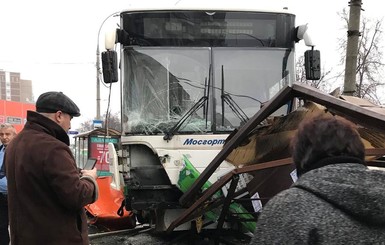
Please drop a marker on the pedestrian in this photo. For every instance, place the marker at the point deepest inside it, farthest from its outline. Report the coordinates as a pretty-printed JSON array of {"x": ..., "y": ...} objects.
[
  {"x": 7, "y": 133},
  {"x": 46, "y": 192},
  {"x": 337, "y": 199}
]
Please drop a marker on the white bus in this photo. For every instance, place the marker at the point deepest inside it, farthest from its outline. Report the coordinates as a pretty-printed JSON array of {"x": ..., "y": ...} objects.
[{"x": 189, "y": 77}]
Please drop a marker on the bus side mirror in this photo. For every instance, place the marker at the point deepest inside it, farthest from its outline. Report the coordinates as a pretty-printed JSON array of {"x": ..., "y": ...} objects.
[
  {"x": 110, "y": 67},
  {"x": 312, "y": 64}
]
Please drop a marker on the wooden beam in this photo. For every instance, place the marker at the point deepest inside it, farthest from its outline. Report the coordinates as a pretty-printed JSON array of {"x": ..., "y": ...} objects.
[{"x": 352, "y": 112}]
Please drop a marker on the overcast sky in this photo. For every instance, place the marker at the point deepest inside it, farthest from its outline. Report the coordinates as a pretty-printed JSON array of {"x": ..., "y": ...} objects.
[{"x": 53, "y": 43}]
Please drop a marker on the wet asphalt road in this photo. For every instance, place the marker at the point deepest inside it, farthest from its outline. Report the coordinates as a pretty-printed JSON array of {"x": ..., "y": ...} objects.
[{"x": 148, "y": 237}]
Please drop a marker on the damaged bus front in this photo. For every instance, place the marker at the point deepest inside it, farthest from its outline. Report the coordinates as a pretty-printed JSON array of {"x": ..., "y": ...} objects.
[{"x": 189, "y": 78}]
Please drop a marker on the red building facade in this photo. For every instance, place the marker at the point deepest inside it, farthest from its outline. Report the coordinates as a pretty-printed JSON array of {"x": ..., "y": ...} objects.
[{"x": 15, "y": 113}]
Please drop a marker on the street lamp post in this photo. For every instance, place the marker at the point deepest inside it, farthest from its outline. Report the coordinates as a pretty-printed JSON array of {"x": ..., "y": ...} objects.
[{"x": 98, "y": 83}]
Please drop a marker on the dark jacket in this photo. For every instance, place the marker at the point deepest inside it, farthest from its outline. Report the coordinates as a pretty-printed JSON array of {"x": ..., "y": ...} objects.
[
  {"x": 46, "y": 196},
  {"x": 336, "y": 204}
]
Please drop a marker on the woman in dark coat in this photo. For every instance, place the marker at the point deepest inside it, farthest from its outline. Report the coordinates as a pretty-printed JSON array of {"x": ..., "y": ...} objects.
[{"x": 336, "y": 200}]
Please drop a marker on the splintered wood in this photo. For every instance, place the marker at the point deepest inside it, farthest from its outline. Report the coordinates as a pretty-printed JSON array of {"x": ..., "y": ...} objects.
[{"x": 271, "y": 141}]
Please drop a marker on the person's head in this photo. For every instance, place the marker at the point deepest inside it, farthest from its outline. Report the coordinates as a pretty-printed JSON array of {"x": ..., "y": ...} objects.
[
  {"x": 322, "y": 137},
  {"x": 58, "y": 107},
  {"x": 7, "y": 133}
]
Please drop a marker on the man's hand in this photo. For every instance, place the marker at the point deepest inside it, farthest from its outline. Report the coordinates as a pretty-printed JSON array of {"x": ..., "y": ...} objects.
[{"x": 91, "y": 173}]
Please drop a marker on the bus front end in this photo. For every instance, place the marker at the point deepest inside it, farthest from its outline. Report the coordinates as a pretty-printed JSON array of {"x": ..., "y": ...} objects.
[{"x": 188, "y": 79}]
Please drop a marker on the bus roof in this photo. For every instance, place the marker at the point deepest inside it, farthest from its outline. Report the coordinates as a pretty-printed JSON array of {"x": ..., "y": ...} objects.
[{"x": 213, "y": 5}]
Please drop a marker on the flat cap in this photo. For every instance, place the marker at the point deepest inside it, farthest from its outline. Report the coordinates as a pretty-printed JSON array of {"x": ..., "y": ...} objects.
[{"x": 51, "y": 102}]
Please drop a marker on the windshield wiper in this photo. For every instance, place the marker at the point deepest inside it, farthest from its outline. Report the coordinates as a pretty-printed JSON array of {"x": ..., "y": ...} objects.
[
  {"x": 206, "y": 93},
  {"x": 226, "y": 97},
  {"x": 202, "y": 102},
  {"x": 168, "y": 136}
]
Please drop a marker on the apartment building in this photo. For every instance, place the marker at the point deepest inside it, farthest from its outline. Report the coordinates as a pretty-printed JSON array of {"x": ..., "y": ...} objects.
[
  {"x": 13, "y": 88},
  {"x": 16, "y": 98}
]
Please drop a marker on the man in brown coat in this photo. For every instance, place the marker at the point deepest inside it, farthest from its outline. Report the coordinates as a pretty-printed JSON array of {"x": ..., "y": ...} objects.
[{"x": 46, "y": 192}]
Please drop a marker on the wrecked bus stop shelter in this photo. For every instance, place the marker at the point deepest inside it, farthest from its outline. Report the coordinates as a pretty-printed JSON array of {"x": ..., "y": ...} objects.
[{"x": 269, "y": 176}]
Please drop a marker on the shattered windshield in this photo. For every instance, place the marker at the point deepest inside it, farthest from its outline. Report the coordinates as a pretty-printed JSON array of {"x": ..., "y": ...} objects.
[
  {"x": 245, "y": 79},
  {"x": 161, "y": 86},
  {"x": 197, "y": 90}
]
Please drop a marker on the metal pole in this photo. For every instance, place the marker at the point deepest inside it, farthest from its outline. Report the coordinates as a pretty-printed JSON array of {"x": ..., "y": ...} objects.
[
  {"x": 97, "y": 84},
  {"x": 352, "y": 47}
]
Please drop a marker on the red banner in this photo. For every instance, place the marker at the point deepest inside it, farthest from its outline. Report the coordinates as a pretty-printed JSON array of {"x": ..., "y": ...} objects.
[{"x": 99, "y": 150}]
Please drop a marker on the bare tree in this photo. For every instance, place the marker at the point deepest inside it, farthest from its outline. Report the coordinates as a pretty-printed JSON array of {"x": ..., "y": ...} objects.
[
  {"x": 369, "y": 59},
  {"x": 85, "y": 126},
  {"x": 113, "y": 122}
]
